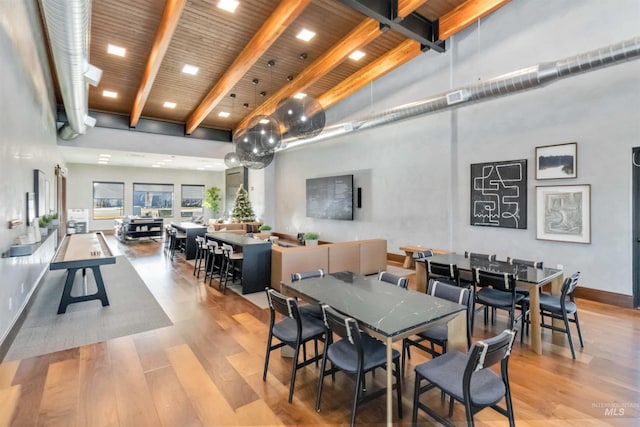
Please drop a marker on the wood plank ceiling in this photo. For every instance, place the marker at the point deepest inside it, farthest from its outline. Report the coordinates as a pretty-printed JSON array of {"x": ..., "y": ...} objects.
[{"x": 233, "y": 49}]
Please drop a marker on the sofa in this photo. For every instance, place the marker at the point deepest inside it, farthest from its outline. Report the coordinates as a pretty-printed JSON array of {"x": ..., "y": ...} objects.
[
  {"x": 238, "y": 228},
  {"x": 361, "y": 256}
]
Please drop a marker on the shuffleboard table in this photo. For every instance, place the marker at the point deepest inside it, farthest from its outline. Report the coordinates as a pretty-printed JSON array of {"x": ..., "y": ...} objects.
[{"x": 79, "y": 252}]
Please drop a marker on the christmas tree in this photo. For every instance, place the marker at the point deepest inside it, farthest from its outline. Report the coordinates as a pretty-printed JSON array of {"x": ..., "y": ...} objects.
[{"x": 242, "y": 210}]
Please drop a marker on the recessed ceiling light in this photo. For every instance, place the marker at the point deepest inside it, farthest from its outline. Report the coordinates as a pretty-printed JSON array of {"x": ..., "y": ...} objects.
[
  {"x": 103, "y": 162},
  {"x": 155, "y": 166},
  {"x": 306, "y": 35},
  {"x": 299, "y": 95},
  {"x": 357, "y": 55},
  {"x": 167, "y": 160},
  {"x": 264, "y": 121},
  {"x": 228, "y": 5},
  {"x": 104, "y": 155},
  {"x": 190, "y": 69},
  {"x": 200, "y": 169},
  {"x": 109, "y": 94},
  {"x": 224, "y": 114},
  {"x": 116, "y": 50},
  {"x": 169, "y": 104}
]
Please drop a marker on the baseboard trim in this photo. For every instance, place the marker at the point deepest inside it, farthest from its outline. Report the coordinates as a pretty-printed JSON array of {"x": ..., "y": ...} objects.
[{"x": 612, "y": 298}]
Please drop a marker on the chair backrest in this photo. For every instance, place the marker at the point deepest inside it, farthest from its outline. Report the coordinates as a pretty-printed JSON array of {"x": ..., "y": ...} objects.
[
  {"x": 307, "y": 275},
  {"x": 227, "y": 249},
  {"x": 501, "y": 281},
  {"x": 488, "y": 257},
  {"x": 525, "y": 263},
  {"x": 401, "y": 282},
  {"x": 345, "y": 327},
  {"x": 437, "y": 270},
  {"x": 462, "y": 296},
  {"x": 423, "y": 254},
  {"x": 569, "y": 285},
  {"x": 287, "y": 306},
  {"x": 486, "y": 353}
]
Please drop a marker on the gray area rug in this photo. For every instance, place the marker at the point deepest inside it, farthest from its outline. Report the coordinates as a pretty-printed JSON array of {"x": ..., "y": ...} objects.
[{"x": 132, "y": 309}]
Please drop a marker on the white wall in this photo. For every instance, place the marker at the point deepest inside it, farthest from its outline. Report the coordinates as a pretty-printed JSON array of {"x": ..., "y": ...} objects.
[
  {"x": 415, "y": 173},
  {"x": 80, "y": 180},
  {"x": 27, "y": 142}
]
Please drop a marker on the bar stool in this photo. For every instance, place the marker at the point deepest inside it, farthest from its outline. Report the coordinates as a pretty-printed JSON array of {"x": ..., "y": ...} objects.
[
  {"x": 233, "y": 261},
  {"x": 214, "y": 253},
  {"x": 177, "y": 242},
  {"x": 201, "y": 254}
]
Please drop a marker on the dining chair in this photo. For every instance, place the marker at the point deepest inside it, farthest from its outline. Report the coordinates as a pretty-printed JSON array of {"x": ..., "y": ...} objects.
[
  {"x": 401, "y": 282},
  {"x": 467, "y": 378},
  {"x": 438, "y": 335},
  {"x": 311, "y": 309},
  {"x": 214, "y": 262},
  {"x": 488, "y": 257},
  {"x": 443, "y": 272},
  {"x": 354, "y": 353},
  {"x": 294, "y": 330},
  {"x": 422, "y": 255},
  {"x": 496, "y": 290},
  {"x": 560, "y": 307}
]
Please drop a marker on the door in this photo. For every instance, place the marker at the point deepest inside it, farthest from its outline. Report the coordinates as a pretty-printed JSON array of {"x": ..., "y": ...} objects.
[{"x": 636, "y": 226}]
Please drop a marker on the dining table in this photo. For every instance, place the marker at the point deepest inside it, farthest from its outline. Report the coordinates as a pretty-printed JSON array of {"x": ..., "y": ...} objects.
[
  {"x": 384, "y": 311},
  {"x": 529, "y": 278}
]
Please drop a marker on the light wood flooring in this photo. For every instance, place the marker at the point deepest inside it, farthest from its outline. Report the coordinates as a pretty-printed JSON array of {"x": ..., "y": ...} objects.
[{"x": 206, "y": 370}]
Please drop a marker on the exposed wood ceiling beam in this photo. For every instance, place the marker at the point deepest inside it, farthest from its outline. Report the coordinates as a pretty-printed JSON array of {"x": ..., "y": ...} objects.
[
  {"x": 450, "y": 24},
  {"x": 466, "y": 14},
  {"x": 273, "y": 27},
  {"x": 367, "y": 31},
  {"x": 403, "y": 53},
  {"x": 168, "y": 23}
]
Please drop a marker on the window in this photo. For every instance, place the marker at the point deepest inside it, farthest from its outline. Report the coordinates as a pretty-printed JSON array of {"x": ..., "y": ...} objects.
[
  {"x": 153, "y": 200},
  {"x": 108, "y": 200},
  {"x": 191, "y": 202}
]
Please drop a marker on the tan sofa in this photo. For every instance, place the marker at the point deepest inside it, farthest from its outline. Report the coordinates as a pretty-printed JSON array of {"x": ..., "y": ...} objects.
[
  {"x": 360, "y": 256},
  {"x": 238, "y": 228}
]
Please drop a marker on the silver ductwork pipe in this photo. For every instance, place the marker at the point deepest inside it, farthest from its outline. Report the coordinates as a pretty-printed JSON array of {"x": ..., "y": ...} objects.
[
  {"x": 507, "y": 84},
  {"x": 67, "y": 24}
]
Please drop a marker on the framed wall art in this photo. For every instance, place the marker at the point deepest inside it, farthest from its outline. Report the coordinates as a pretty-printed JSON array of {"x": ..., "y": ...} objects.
[
  {"x": 39, "y": 179},
  {"x": 557, "y": 161},
  {"x": 564, "y": 213},
  {"x": 499, "y": 194}
]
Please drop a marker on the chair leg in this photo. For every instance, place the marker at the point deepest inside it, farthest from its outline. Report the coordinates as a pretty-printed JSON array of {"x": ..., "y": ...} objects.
[
  {"x": 416, "y": 398},
  {"x": 575, "y": 319},
  {"x": 321, "y": 380},
  {"x": 294, "y": 370},
  {"x": 266, "y": 357},
  {"x": 356, "y": 396},
  {"x": 568, "y": 331}
]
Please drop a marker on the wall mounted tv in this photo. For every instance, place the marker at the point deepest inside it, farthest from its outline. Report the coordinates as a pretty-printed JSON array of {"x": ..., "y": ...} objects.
[{"x": 330, "y": 197}]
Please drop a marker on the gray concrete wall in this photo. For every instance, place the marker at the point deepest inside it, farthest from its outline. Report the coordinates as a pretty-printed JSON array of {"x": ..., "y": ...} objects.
[{"x": 415, "y": 173}]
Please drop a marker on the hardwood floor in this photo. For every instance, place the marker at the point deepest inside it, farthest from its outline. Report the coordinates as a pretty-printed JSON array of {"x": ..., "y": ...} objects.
[{"x": 206, "y": 370}]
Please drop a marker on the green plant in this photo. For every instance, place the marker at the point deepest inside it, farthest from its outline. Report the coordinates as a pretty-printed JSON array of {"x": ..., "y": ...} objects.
[
  {"x": 310, "y": 236},
  {"x": 54, "y": 215},
  {"x": 43, "y": 222},
  {"x": 265, "y": 227},
  {"x": 212, "y": 199}
]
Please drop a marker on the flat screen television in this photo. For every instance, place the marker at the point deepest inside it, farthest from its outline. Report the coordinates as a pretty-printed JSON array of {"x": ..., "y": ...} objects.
[{"x": 330, "y": 197}]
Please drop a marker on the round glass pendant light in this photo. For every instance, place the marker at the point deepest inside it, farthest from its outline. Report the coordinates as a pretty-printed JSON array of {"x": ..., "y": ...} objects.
[
  {"x": 266, "y": 132},
  {"x": 302, "y": 117},
  {"x": 232, "y": 160}
]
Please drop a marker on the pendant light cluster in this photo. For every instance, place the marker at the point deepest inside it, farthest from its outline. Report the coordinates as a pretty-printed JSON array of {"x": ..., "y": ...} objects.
[{"x": 296, "y": 117}]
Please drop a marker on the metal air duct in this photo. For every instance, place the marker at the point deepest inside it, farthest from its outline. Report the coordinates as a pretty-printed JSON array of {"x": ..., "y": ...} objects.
[
  {"x": 507, "y": 84},
  {"x": 67, "y": 24}
]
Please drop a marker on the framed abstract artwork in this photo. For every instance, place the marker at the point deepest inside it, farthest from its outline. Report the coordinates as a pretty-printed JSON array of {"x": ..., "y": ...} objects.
[
  {"x": 557, "y": 161},
  {"x": 564, "y": 213},
  {"x": 499, "y": 194}
]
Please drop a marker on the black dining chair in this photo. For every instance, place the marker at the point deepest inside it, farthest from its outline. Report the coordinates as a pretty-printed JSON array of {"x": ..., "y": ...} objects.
[
  {"x": 443, "y": 272},
  {"x": 201, "y": 256},
  {"x": 311, "y": 309},
  {"x": 294, "y": 330},
  {"x": 437, "y": 336},
  {"x": 422, "y": 255},
  {"x": 401, "y": 282},
  {"x": 467, "y": 378},
  {"x": 560, "y": 307},
  {"x": 497, "y": 290},
  {"x": 354, "y": 353},
  {"x": 488, "y": 257}
]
